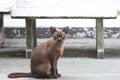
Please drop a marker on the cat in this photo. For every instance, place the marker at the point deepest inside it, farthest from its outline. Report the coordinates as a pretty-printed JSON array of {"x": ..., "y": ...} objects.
[{"x": 44, "y": 57}]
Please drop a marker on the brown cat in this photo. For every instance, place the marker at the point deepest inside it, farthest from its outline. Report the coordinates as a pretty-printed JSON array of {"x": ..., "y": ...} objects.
[{"x": 45, "y": 56}]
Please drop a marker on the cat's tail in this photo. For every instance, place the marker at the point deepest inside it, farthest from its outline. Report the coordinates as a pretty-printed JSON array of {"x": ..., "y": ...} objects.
[{"x": 17, "y": 75}]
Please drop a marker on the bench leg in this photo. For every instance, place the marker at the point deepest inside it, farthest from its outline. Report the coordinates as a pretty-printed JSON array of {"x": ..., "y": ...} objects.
[
  {"x": 1, "y": 31},
  {"x": 100, "y": 38},
  {"x": 30, "y": 35}
]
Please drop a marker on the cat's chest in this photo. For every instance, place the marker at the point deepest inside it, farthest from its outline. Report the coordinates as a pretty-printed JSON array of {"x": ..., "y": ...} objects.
[
  {"x": 56, "y": 50},
  {"x": 59, "y": 50}
]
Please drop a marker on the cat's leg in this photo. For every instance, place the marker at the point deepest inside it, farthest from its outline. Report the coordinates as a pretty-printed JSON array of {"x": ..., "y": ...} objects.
[
  {"x": 53, "y": 68},
  {"x": 42, "y": 71},
  {"x": 58, "y": 74},
  {"x": 42, "y": 75},
  {"x": 53, "y": 71}
]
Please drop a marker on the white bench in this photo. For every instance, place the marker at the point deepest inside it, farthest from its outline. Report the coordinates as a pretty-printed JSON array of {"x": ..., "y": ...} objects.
[
  {"x": 60, "y": 9},
  {"x": 4, "y": 9}
]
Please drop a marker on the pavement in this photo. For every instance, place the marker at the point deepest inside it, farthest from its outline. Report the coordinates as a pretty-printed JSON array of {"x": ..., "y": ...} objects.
[{"x": 77, "y": 68}]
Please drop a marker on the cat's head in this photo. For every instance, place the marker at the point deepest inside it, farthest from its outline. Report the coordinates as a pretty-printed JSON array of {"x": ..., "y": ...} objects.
[{"x": 59, "y": 35}]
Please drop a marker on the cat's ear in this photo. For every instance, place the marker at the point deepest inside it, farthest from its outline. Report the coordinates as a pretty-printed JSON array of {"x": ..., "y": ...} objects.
[
  {"x": 65, "y": 30},
  {"x": 53, "y": 29}
]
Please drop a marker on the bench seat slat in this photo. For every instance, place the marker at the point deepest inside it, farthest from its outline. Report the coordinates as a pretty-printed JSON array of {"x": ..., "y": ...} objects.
[
  {"x": 61, "y": 13},
  {"x": 57, "y": 9}
]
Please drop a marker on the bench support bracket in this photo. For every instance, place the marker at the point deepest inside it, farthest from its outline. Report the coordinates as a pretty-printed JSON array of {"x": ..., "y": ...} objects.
[
  {"x": 30, "y": 36},
  {"x": 100, "y": 38},
  {"x": 1, "y": 31}
]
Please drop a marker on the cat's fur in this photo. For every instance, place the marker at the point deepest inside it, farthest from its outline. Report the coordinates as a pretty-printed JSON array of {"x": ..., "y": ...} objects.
[{"x": 45, "y": 56}]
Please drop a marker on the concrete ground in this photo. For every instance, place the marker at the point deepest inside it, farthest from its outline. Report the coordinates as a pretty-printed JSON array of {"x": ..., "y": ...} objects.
[{"x": 77, "y": 68}]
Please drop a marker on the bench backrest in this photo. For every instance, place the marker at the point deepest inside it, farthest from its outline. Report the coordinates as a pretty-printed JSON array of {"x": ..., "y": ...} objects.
[{"x": 61, "y": 9}]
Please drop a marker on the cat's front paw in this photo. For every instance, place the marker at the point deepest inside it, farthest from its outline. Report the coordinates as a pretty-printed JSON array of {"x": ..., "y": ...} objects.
[
  {"x": 54, "y": 76},
  {"x": 59, "y": 75}
]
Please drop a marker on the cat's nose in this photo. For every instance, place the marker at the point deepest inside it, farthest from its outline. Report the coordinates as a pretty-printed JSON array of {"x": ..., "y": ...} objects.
[{"x": 59, "y": 39}]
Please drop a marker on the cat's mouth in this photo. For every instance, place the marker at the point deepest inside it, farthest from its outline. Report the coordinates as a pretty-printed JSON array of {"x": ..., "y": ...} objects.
[{"x": 59, "y": 40}]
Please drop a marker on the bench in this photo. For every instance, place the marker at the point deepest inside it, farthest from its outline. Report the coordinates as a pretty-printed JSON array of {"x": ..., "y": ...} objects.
[
  {"x": 57, "y": 9},
  {"x": 4, "y": 9}
]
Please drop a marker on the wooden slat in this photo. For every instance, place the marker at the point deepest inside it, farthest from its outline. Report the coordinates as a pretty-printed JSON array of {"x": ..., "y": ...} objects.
[
  {"x": 56, "y": 9},
  {"x": 64, "y": 17}
]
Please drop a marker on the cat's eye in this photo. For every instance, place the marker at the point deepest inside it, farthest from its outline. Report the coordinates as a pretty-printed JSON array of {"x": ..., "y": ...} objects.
[{"x": 55, "y": 36}]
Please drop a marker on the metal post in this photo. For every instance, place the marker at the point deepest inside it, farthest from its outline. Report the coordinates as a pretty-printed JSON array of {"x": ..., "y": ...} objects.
[
  {"x": 30, "y": 35},
  {"x": 1, "y": 30},
  {"x": 99, "y": 38}
]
